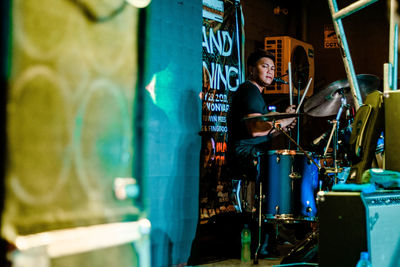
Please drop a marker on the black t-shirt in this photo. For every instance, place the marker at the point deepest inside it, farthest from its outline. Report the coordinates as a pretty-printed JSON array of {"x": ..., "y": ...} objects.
[{"x": 246, "y": 100}]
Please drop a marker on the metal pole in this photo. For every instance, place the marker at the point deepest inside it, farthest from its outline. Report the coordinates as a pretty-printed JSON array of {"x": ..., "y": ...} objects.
[
  {"x": 390, "y": 74},
  {"x": 387, "y": 74},
  {"x": 348, "y": 64},
  {"x": 350, "y": 9},
  {"x": 337, "y": 23},
  {"x": 390, "y": 69},
  {"x": 395, "y": 56},
  {"x": 392, "y": 10}
]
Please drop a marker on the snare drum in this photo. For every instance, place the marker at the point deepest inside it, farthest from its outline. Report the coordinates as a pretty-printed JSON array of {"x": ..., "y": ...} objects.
[{"x": 291, "y": 183}]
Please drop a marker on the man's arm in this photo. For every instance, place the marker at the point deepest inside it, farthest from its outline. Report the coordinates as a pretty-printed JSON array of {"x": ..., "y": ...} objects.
[{"x": 257, "y": 127}]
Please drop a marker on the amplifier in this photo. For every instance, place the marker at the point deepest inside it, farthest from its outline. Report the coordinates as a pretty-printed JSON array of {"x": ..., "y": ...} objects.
[{"x": 351, "y": 222}]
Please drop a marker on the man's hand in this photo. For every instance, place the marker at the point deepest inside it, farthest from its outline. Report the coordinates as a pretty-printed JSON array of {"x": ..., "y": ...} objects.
[
  {"x": 290, "y": 123},
  {"x": 291, "y": 109}
]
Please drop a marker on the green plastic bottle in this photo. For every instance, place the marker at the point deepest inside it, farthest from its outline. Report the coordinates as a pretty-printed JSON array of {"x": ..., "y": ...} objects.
[{"x": 246, "y": 240}]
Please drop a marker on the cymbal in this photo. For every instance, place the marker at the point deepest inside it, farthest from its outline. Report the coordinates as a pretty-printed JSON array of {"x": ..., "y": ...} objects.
[
  {"x": 273, "y": 116},
  {"x": 327, "y": 102}
]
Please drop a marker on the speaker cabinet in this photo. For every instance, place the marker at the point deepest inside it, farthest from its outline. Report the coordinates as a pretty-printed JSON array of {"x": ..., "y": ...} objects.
[
  {"x": 392, "y": 131},
  {"x": 70, "y": 118},
  {"x": 301, "y": 56},
  {"x": 352, "y": 222}
]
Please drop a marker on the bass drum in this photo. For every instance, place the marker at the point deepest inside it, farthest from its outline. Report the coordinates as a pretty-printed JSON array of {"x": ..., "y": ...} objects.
[{"x": 291, "y": 183}]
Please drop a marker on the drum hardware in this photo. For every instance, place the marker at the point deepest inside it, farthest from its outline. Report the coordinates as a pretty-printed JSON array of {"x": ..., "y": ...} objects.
[
  {"x": 326, "y": 182},
  {"x": 236, "y": 188},
  {"x": 333, "y": 170},
  {"x": 260, "y": 200},
  {"x": 333, "y": 100},
  {"x": 305, "y": 251},
  {"x": 259, "y": 226},
  {"x": 295, "y": 175},
  {"x": 308, "y": 209},
  {"x": 335, "y": 132},
  {"x": 289, "y": 219}
]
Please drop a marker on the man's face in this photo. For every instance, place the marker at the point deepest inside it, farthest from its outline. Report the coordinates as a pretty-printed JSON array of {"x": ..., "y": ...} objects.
[{"x": 263, "y": 72}]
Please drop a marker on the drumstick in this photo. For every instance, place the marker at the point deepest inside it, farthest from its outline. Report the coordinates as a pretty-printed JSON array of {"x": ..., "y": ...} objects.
[
  {"x": 290, "y": 84},
  {"x": 330, "y": 137},
  {"x": 304, "y": 95}
]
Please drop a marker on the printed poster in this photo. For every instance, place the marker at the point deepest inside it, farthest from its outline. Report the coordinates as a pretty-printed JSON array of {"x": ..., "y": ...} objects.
[{"x": 222, "y": 73}]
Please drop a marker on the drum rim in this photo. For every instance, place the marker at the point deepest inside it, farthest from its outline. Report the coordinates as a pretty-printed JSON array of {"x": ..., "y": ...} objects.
[
  {"x": 290, "y": 152},
  {"x": 289, "y": 217}
]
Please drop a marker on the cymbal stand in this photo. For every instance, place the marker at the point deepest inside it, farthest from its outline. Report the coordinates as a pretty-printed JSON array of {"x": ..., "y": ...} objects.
[
  {"x": 335, "y": 134},
  {"x": 278, "y": 127},
  {"x": 260, "y": 200}
]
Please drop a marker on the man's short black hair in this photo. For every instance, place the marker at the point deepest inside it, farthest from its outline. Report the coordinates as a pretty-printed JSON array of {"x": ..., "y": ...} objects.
[{"x": 256, "y": 55}]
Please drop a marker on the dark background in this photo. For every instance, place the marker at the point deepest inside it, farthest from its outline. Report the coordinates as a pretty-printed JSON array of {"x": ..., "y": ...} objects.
[{"x": 367, "y": 33}]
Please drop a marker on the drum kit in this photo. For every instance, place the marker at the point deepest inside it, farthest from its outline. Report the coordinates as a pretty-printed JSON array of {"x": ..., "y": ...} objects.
[{"x": 292, "y": 178}]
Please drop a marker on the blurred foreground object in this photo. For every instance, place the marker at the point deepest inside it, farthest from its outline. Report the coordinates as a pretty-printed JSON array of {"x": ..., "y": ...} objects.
[{"x": 41, "y": 249}]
